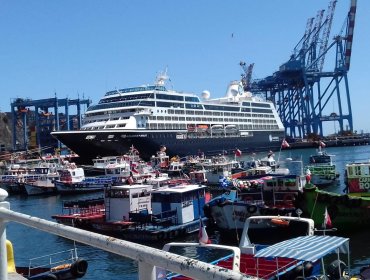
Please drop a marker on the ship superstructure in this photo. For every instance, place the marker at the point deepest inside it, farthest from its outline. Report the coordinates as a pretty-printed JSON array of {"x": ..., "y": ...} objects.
[{"x": 152, "y": 116}]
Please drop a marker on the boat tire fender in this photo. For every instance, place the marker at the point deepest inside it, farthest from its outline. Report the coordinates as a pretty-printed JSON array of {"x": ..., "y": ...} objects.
[
  {"x": 252, "y": 209},
  {"x": 79, "y": 268}
]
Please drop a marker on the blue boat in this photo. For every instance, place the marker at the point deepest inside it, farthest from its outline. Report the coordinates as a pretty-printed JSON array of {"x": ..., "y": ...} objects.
[{"x": 176, "y": 211}]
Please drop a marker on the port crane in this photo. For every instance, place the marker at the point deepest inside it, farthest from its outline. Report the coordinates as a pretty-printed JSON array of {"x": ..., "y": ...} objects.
[{"x": 302, "y": 90}]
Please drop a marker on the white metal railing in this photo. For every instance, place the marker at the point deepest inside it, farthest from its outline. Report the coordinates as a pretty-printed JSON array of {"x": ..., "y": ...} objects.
[{"x": 148, "y": 258}]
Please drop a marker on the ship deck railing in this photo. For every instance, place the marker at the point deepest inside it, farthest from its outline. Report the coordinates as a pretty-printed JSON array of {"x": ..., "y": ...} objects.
[{"x": 148, "y": 258}]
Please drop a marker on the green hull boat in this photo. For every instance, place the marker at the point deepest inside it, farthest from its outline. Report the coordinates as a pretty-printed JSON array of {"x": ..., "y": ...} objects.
[{"x": 347, "y": 212}]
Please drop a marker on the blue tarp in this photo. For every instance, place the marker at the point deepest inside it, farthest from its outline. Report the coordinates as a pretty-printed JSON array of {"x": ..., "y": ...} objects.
[{"x": 306, "y": 248}]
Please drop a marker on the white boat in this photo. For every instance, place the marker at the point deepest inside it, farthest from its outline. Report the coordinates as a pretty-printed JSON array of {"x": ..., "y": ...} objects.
[
  {"x": 267, "y": 195},
  {"x": 44, "y": 184},
  {"x": 151, "y": 116},
  {"x": 218, "y": 167},
  {"x": 73, "y": 181}
]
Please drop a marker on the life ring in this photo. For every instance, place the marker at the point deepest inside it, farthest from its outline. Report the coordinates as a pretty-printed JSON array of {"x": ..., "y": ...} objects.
[
  {"x": 61, "y": 267},
  {"x": 79, "y": 268},
  {"x": 252, "y": 209},
  {"x": 280, "y": 222}
]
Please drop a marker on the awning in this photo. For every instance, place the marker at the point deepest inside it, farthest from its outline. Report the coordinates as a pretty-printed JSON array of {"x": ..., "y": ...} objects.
[{"x": 306, "y": 248}]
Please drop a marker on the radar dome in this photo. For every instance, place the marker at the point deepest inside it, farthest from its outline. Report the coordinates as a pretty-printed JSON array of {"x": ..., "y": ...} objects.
[{"x": 206, "y": 94}]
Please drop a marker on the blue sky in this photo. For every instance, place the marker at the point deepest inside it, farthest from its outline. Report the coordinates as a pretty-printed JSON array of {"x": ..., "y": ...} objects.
[{"x": 85, "y": 48}]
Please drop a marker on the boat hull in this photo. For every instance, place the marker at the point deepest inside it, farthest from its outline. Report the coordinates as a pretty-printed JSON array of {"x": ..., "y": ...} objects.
[
  {"x": 78, "y": 188},
  {"x": 347, "y": 212},
  {"x": 90, "y": 144},
  {"x": 39, "y": 190}
]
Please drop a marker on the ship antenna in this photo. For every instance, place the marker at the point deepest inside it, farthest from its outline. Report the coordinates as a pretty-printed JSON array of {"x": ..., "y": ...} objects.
[{"x": 161, "y": 78}]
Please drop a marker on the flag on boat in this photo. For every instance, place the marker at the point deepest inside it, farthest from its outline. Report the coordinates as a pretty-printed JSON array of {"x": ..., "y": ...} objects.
[
  {"x": 134, "y": 150},
  {"x": 322, "y": 144},
  {"x": 238, "y": 153},
  {"x": 285, "y": 144},
  {"x": 327, "y": 219},
  {"x": 203, "y": 236}
]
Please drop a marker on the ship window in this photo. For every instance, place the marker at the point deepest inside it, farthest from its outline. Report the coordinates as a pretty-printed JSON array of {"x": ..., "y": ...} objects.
[
  {"x": 90, "y": 137},
  {"x": 262, "y": 110},
  {"x": 169, "y": 97},
  {"x": 110, "y": 136},
  {"x": 191, "y": 99},
  {"x": 261, "y": 105}
]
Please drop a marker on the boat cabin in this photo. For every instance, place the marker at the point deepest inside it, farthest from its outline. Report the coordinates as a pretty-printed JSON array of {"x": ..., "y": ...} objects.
[
  {"x": 121, "y": 200},
  {"x": 186, "y": 200}
]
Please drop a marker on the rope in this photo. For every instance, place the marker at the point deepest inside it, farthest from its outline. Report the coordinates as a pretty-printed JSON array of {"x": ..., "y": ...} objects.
[{"x": 314, "y": 205}]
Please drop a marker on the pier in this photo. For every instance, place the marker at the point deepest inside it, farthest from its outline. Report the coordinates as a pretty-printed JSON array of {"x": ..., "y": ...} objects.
[{"x": 148, "y": 258}]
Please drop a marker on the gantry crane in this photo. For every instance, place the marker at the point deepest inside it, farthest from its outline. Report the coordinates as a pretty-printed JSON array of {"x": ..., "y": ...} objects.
[
  {"x": 247, "y": 75},
  {"x": 302, "y": 90}
]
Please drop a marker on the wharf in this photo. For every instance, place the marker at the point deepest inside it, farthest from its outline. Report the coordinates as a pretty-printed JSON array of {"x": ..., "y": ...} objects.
[{"x": 331, "y": 142}]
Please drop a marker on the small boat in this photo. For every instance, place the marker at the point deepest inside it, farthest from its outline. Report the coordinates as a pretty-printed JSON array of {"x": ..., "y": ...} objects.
[
  {"x": 218, "y": 166},
  {"x": 357, "y": 178},
  {"x": 292, "y": 252},
  {"x": 81, "y": 213},
  {"x": 348, "y": 212},
  {"x": 176, "y": 212},
  {"x": 64, "y": 265},
  {"x": 322, "y": 169},
  {"x": 141, "y": 212},
  {"x": 44, "y": 184},
  {"x": 267, "y": 195},
  {"x": 73, "y": 181}
]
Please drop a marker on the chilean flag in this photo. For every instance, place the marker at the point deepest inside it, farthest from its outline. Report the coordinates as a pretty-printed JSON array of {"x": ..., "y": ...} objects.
[
  {"x": 285, "y": 144},
  {"x": 322, "y": 144},
  {"x": 238, "y": 153},
  {"x": 203, "y": 236},
  {"x": 327, "y": 220}
]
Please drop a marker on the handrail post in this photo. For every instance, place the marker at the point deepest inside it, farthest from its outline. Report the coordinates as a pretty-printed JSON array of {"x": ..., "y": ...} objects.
[
  {"x": 3, "y": 252},
  {"x": 146, "y": 271}
]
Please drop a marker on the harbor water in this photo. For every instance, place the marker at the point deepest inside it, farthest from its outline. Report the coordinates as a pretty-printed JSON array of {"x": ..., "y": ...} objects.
[{"x": 29, "y": 243}]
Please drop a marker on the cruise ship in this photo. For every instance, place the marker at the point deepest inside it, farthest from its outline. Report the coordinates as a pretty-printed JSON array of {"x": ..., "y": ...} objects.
[{"x": 153, "y": 117}]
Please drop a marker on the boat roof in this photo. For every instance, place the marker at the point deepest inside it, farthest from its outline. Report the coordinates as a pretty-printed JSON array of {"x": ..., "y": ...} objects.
[
  {"x": 180, "y": 188},
  {"x": 133, "y": 186},
  {"x": 306, "y": 248}
]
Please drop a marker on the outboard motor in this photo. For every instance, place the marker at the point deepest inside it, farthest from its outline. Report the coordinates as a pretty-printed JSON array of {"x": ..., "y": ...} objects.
[{"x": 335, "y": 270}]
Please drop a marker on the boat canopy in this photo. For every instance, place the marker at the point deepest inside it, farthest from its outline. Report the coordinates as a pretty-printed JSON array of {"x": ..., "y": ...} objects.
[{"x": 306, "y": 248}]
